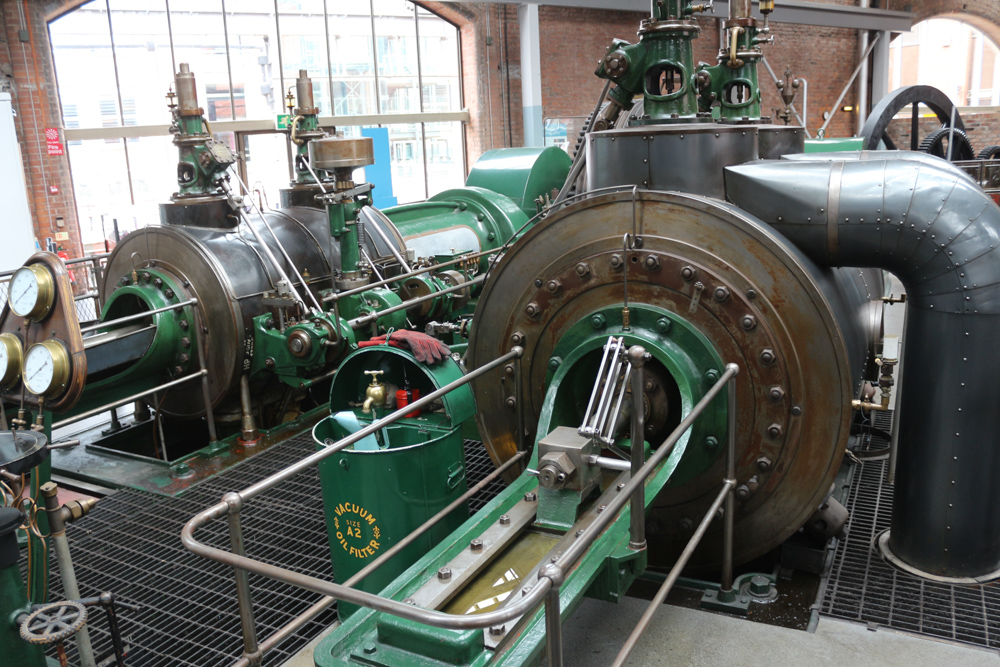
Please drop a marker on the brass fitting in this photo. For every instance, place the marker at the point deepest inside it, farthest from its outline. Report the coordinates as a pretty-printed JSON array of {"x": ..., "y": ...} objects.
[
  {"x": 375, "y": 393},
  {"x": 59, "y": 516}
]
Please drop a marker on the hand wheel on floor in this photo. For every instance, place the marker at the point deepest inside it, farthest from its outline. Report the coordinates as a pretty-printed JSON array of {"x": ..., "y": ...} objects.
[{"x": 53, "y": 622}]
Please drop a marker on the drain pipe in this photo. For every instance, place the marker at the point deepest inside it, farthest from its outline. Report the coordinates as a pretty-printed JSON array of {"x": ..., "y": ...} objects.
[
  {"x": 59, "y": 516},
  {"x": 939, "y": 233}
]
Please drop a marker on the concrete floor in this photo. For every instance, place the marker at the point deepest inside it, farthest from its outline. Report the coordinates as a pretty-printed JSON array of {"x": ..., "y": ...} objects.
[
  {"x": 681, "y": 637},
  {"x": 684, "y": 637}
]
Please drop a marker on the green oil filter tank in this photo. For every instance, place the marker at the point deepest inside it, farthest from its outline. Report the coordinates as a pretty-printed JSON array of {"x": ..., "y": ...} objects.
[{"x": 380, "y": 489}]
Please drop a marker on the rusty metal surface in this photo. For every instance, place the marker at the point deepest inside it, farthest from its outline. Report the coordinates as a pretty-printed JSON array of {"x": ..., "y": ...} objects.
[{"x": 767, "y": 279}]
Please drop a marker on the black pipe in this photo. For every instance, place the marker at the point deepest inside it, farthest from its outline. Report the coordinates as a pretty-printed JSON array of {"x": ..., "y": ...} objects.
[{"x": 939, "y": 233}]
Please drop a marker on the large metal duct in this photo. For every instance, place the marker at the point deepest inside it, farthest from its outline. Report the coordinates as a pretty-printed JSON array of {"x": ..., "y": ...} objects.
[{"x": 927, "y": 223}]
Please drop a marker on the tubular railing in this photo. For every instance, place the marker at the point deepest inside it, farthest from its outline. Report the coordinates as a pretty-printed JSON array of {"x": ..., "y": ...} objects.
[{"x": 550, "y": 577}]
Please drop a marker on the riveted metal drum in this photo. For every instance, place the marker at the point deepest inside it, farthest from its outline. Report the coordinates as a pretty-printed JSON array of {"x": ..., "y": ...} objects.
[
  {"x": 685, "y": 158},
  {"x": 341, "y": 153}
]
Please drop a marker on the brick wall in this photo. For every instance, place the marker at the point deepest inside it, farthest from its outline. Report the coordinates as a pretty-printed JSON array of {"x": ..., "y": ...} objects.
[
  {"x": 983, "y": 130},
  {"x": 572, "y": 40},
  {"x": 37, "y": 105}
]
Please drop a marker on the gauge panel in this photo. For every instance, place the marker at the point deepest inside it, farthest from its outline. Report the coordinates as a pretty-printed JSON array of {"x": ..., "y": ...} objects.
[
  {"x": 31, "y": 292},
  {"x": 11, "y": 353},
  {"x": 46, "y": 368},
  {"x": 44, "y": 290}
]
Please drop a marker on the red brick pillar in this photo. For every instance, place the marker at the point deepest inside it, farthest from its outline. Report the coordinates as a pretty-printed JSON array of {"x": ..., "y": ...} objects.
[{"x": 24, "y": 46}]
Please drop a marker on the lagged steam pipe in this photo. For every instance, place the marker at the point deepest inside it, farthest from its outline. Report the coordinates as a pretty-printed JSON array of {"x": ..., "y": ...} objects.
[{"x": 937, "y": 231}]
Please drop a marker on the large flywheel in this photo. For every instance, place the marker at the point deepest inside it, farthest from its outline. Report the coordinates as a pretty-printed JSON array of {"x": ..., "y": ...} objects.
[
  {"x": 707, "y": 284},
  {"x": 876, "y": 135}
]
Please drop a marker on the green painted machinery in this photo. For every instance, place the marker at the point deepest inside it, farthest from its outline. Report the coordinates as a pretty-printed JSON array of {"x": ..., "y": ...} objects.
[
  {"x": 661, "y": 68},
  {"x": 420, "y": 458},
  {"x": 223, "y": 326}
]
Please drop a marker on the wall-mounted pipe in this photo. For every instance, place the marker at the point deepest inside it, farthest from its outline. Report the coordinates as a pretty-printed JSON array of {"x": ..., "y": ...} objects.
[{"x": 931, "y": 226}]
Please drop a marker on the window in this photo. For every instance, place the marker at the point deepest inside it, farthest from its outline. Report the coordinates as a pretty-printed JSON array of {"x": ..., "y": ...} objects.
[
  {"x": 115, "y": 61},
  {"x": 949, "y": 55}
]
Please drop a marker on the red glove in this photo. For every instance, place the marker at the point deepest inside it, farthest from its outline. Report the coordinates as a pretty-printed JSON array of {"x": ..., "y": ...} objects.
[{"x": 426, "y": 349}]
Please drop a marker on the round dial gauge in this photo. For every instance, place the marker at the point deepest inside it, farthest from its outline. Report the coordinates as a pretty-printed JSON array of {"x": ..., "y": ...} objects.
[
  {"x": 46, "y": 368},
  {"x": 10, "y": 360},
  {"x": 31, "y": 292}
]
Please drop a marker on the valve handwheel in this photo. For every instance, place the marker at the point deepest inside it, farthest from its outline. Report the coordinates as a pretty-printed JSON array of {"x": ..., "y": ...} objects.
[{"x": 53, "y": 622}]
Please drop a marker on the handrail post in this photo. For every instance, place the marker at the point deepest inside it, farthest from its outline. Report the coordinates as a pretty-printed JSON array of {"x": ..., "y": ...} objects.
[
  {"x": 251, "y": 650},
  {"x": 553, "y": 622},
  {"x": 726, "y": 592},
  {"x": 637, "y": 512}
]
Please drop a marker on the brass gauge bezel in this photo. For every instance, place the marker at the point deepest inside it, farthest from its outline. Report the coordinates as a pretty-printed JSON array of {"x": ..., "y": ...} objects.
[
  {"x": 60, "y": 368},
  {"x": 15, "y": 358},
  {"x": 46, "y": 292}
]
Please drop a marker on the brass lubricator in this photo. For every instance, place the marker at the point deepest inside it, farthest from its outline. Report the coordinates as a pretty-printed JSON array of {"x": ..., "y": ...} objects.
[{"x": 375, "y": 393}]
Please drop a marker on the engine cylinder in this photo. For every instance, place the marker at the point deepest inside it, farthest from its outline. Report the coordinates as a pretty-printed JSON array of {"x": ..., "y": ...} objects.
[
  {"x": 228, "y": 273},
  {"x": 707, "y": 285}
]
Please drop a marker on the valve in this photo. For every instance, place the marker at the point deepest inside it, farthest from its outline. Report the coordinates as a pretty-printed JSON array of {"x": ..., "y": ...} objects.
[
  {"x": 375, "y": 393},
  {"x": 53, "y": 622}
]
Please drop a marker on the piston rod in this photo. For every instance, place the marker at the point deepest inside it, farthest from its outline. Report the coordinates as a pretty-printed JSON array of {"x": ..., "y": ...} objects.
[{"x": 361, "y": 321}]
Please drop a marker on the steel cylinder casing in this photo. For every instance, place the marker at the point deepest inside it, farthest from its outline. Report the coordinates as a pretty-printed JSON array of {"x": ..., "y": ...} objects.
[
  {"x": 683, "y": 158},
  {"x": 229, "y": 274}
]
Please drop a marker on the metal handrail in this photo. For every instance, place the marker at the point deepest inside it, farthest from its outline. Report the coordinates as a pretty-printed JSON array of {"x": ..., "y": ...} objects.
[
  {"x": 68, "y": 262},
  {"x": 138, "y": 316},
  {"x": 550, "y": 577},
  {"x": 126, "y": 401},
  {"x": 725, "y": 495},
  {"x": 284, "y": 631}
]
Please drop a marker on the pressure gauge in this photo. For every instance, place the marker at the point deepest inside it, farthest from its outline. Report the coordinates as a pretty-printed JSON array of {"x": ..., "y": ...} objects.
[
  {"x": 31, "y": 292},
  {"x": 46, "y": 368},
  {"x": 10, "y": 360}
]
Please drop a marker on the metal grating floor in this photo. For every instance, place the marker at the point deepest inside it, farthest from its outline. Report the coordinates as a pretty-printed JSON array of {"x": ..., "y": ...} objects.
[
  {"x": 130, "y": 544},
  {"x": 864, "y": 588}
]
